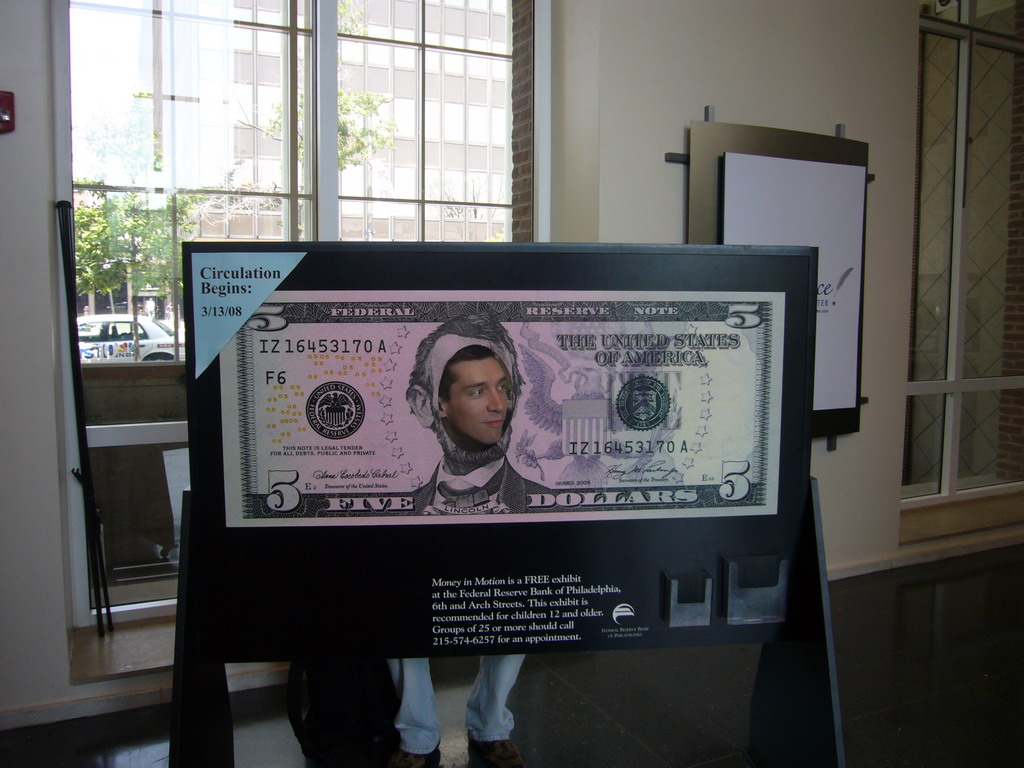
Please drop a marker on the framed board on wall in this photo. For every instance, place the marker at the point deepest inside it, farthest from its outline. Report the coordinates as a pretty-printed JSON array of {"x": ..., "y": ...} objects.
[{"x": 765, "y": 186}]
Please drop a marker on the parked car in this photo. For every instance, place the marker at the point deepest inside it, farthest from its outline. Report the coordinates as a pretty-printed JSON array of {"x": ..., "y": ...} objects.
[{"x": 110, "y": 338}]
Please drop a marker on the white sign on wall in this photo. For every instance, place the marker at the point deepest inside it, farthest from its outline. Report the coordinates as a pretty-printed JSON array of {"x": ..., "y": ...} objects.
[{"x": 779, "y": 201}]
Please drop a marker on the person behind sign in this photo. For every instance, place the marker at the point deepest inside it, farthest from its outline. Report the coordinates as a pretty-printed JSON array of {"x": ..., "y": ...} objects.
[{"x": 463, "y": 387}]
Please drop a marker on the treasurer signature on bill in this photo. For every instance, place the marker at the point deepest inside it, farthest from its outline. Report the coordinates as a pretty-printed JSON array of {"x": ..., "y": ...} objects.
[{"x": 654, "y": 473}]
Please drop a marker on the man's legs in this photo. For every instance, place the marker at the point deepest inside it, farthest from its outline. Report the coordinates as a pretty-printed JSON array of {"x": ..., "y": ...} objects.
[
  {"x": 487, "y": 717},
  {"x": 417, "y": 722}
]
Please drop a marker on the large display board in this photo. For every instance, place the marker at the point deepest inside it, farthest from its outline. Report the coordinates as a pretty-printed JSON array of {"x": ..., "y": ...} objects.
[
  {"x": 778, "y": 200},
  {"x": 637, "y": 425}
]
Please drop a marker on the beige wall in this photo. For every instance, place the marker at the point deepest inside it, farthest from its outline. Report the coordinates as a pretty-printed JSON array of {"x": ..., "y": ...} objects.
[
  {"x": 33, "y": 654},
  {"x": 34, "y": 668},
  {"x": 627, "y": 80},
  {"x": 633, "y": 77}
]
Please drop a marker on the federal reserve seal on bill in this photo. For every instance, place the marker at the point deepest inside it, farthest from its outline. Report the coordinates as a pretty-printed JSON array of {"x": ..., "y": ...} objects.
[
  {"x": 643, "y": 402},
  {"x": 335, "y": 410}
]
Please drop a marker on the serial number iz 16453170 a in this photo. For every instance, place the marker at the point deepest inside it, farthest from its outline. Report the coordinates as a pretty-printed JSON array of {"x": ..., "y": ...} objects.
[
  {"x": 596, "y": 448},
  {"x": 320, "y": 346}
]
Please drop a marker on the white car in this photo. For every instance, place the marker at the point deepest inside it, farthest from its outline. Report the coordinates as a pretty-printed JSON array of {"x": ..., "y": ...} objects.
[{"x": 111, "y": 339}]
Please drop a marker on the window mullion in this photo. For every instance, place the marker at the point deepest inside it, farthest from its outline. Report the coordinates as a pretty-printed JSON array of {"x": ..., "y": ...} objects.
[
  {"x": 951, "y": 444},
  {"x": 292, "y": 177},
  {"x": 958, "y": 257},
  {"x": 421, "y": 123},
  {"x": 324, "y": 149},
  {"x": 958, "y": 276}
]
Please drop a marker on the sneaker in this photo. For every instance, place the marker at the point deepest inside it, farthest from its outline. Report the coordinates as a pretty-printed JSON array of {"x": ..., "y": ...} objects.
[
  {"x": 499, "y": 754},
  {"x": 402, "y": 759}
]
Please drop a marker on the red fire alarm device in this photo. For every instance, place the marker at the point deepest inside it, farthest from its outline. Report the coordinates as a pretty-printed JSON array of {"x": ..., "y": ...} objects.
[{"x": 6, "y": 111}]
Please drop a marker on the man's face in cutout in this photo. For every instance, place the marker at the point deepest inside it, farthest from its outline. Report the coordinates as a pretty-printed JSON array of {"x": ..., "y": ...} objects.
[{"x": 474, "y": 408}]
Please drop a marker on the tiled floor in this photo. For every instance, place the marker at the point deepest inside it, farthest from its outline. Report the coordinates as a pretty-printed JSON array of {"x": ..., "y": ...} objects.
[{"x": 931, "y": 675}]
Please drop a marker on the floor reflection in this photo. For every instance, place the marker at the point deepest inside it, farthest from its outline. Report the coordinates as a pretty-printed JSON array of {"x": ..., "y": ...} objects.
[{"x": 931, "y": 675}]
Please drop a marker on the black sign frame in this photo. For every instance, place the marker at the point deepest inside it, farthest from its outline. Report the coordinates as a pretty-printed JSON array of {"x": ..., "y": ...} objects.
[
  {"x": 256, "y": 594},
  {"x": 299, "y": 592}
]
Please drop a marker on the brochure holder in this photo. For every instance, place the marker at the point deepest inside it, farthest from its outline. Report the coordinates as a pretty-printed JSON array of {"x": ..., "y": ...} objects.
[
  {"x": 687, "y": 598},
  {"x": 755, "y": 589}
]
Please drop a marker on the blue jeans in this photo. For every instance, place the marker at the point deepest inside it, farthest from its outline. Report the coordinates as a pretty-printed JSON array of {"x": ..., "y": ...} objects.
[{"x": 487, "y": 717}]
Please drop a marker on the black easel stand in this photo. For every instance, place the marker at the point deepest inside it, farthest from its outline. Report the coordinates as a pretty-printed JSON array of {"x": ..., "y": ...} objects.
[
  {"x": 93, "y": 524},
  {"x": 202, "y": 734},
  {"x": 794, "y": 709}
]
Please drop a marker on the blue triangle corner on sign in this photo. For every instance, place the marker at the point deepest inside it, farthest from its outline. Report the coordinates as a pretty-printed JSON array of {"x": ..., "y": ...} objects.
[{"x": 228, "y": 287}]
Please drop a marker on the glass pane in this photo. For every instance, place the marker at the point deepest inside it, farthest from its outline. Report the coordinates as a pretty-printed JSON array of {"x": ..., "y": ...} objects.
[
  {"x": 141, "y": 525},
  {"x": 128, "y": 276},
  {"x": 386, "y": 19},
  {"x": 134, "y": 394},
  {"x": 304, "y": 224},
  {"x": 249, "y": 132},
  {"x": 998, "y": 16},
  {"x": 150, "y": 335},
  {"x": 180, "y": 103},
  {"x": 240, "y": 217},
  {"x": 232, "y": 136},
  {"x": 991, "y": 438},
  {"x": 994, "y": 296},
  {"x": 370, "y": 117},
  {"x": 465, "y": 123},
  {"x": 473, "y": 26},
  {"x": 467, "y": 223},
  {"x": 379, "y": 220},
  {"x": 922, "y": 453},
  {"x": 113, "y": 109},
  {"x": 273, "y": 12},
  {"x": 936, "y": 180}
]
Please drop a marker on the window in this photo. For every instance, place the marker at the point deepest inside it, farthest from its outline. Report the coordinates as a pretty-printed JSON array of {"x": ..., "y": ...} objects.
[
  {"x": 426, "y": 90},
  {"x": 198, "y": 119},
  {"x": 965, "y": 423}
]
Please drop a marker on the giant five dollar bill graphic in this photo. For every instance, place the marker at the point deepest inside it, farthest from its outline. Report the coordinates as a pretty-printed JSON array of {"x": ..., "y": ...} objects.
[{"x": 632, "y": 405}]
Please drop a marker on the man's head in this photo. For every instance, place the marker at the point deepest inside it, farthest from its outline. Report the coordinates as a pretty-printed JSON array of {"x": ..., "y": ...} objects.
[
  {"x": 467, "y": 350},
  {"x": 473, "y": 397}
]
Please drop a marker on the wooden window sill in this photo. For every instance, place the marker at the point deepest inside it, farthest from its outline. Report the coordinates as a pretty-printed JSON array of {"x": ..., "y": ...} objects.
[
  {"x": 133, "y": 648},
  {"x": 955, "y": 518}
]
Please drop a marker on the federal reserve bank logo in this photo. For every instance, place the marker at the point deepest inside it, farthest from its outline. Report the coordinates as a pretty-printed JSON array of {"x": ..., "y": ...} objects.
[
  {"x": 643, "y": 402},
  {"x": 623, "y": 611},
  {"x": 335, "y": 410},
  {"x": 626, "y": 624}
]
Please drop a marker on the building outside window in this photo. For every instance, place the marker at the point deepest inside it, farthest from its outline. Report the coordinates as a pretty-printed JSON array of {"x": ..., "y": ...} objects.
[
  {"x": 259, "y": 120},
  {"x": 965, "y": 422}
]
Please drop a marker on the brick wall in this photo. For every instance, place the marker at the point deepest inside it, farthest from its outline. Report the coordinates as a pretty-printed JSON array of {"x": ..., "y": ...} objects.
[
  {"x": 522, "y": 121},
  {"x": 1010, "y": 461}
]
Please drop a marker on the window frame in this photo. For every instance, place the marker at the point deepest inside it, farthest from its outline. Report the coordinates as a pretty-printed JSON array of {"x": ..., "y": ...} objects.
[
  {"x": 325, "y": 199},
  {"x": 955, "y": 385}
]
